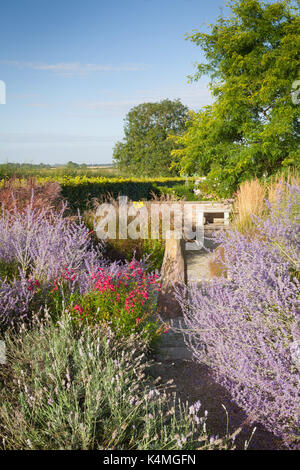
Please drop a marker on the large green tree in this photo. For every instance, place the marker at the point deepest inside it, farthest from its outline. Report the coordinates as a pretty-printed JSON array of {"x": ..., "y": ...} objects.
[
  {"x": 252, "y": 127},
  {"x": 145, "y": 149}
]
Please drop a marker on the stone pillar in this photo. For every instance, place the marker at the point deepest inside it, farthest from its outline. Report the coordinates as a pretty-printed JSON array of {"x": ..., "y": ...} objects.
[{"x": 173, "y": 273}]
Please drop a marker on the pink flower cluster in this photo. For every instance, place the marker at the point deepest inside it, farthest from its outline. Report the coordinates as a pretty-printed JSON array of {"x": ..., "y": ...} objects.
[
  {"x": 68, "y": 275},
  {"x": 32, "y": 283},
  {"x": 133, "y": 277},
  {"x": 79, "y": 309}
]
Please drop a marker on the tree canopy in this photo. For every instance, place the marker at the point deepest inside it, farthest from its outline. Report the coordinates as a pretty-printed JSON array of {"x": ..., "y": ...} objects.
[
  {"x": 146, "y": 148},
  {"x": 252, "y": 127}
]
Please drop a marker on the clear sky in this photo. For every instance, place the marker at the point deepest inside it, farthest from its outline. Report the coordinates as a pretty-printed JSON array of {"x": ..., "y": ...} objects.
[{"x": 74, "y": 68}]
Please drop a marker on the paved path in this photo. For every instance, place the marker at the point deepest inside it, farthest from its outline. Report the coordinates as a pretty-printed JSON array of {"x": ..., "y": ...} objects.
[
  {"x": 172, "y": 345},
  {"x": 197, "y": 261}
]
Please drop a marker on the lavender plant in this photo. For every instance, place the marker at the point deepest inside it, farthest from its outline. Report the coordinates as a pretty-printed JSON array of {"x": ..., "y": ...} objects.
[
  {"x": 39, "y": 244},
  {"x": 245, "y": 325},
  {"x": 46, "y": 258},
  {"x": 71, "y": 388}
]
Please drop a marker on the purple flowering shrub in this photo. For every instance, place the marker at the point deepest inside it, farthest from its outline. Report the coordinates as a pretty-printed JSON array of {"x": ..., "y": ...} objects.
[
  {"x": 36, "y": 245},
  {"x": 47, "y": 259},
  {"x": 245, "y": 324}
]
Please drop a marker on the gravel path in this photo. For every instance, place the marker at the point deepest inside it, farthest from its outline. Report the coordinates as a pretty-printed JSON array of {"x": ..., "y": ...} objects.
[{"x": 197, "y": 260}]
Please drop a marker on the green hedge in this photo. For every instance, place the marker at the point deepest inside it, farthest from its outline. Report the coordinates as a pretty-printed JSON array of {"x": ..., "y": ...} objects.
[
  {"x": 81, "y": 192},
  {"x": 80, "y": 195}
]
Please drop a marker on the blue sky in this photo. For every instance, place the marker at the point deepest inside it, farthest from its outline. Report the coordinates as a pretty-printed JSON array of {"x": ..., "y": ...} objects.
[{"x": 73, "y": 69}]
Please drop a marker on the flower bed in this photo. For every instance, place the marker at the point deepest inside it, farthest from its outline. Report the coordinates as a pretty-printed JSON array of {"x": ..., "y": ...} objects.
[
  {"x": 78, "y": 332},
  {"x": 245, "y": 324}
]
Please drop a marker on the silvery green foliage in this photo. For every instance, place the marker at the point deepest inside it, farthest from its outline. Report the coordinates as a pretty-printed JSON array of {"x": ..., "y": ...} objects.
[
  {"x": 89, "y": 389},
  {"x": 243, "y": 325}
]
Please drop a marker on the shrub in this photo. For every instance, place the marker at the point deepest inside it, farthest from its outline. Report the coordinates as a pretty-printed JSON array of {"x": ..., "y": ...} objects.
[
  {"x": 70, "y": 388},
  {"x": 245, "y": 326},
  {"x": 80, "y": 190},
  {"x": 192, "y": 190},
  {"x": 151, "y": 250},
  {"x": 117, "y": 249},
  {"x": 251, "y": 196},
  {"x": 16, "y": 193},
  {"x": 36, "y": 244},
  {"x": 48, "y": 259},
  {"x": 122, "y": 298},
  {"x": 178, "y": 191}
]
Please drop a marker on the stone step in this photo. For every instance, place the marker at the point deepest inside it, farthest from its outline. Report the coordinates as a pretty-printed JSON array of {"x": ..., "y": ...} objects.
[
  {"x": 173, "y": 354},
  {"x": 172, "y": 345}
]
